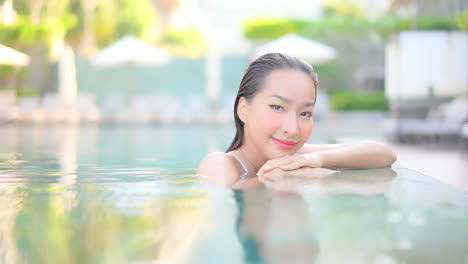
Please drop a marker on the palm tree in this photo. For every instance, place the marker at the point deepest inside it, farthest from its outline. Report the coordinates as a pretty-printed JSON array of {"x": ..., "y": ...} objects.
[
  {"x": 164, "y": 9},
  {"x": 87, "y": 45}
]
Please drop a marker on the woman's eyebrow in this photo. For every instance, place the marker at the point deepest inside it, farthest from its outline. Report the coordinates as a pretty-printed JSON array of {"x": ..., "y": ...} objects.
[
  {"x": 289, "y": 101},
  {"x": 282, "y": 98}
]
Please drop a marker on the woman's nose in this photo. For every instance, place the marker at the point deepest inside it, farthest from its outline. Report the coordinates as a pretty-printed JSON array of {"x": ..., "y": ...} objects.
[{"x": 290, "y": 125}]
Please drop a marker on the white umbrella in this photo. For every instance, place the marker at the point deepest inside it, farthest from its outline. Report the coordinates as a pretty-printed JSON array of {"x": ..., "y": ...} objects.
[
  {"x": 131, "y": 51},
  {"x": 294, "y": 45},
  {"x": 10, "y": 56}
]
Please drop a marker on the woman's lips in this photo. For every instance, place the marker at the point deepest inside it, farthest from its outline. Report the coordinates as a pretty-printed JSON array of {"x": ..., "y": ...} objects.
[{"x": 284, "y": 143}]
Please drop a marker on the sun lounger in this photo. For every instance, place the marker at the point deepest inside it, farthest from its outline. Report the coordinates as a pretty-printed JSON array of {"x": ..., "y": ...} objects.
[
  {"x": 8, "y": 110},
  {"x": 84, "y": 109},
  {"x": 443, "y": 121},
  {"x": 29, "y": 110},
  {"x": 111, "y": 108},
  {"x": 53, "y": 108}
]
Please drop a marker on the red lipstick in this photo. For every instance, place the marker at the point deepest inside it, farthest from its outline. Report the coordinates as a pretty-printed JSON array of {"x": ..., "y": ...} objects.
[{"x": 285, "y": 144}]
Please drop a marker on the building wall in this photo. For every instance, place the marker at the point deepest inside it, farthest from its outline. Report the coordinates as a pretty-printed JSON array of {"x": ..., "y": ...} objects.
[{"x": 421, "y": 64}]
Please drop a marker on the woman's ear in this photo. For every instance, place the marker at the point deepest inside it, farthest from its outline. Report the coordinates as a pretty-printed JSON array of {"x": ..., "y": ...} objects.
[{"x": 242, "y": 109}]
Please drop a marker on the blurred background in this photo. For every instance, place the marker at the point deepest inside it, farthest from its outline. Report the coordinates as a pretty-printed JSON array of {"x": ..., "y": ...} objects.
[
  {"x": 107, "y": 107},
  {"x": 391, "y": 70}
]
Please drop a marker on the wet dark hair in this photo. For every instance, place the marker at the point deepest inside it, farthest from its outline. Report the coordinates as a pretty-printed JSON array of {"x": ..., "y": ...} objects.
[{"x": 253, "y": 78}]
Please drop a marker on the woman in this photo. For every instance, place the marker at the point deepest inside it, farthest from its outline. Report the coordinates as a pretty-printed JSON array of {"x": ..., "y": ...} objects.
[{"x": 273, "y": 115}]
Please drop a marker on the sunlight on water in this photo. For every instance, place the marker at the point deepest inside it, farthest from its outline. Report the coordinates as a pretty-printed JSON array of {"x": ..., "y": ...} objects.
[{"x": 131, "y": 195}]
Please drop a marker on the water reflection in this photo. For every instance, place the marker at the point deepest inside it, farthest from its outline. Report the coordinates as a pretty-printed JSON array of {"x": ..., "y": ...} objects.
[
  {"x": 276, "y": 224},
  {"x": 351, "y": 217},
  {"x": 276, "y": 229}
]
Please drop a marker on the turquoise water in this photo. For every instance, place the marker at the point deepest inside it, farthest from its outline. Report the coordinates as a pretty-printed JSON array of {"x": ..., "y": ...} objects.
[{"x": 130, "y": 195}]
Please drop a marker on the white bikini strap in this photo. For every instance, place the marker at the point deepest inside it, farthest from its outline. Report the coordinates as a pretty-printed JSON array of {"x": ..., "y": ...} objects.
[{"x": 241, "y": 163}]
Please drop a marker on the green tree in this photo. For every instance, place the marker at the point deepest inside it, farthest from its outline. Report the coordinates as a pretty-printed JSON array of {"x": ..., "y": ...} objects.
[{"x": 39, "y": 30}]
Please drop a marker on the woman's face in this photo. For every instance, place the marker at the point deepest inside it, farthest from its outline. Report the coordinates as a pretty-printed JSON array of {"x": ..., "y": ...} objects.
[{"x": 278, "y": 120}]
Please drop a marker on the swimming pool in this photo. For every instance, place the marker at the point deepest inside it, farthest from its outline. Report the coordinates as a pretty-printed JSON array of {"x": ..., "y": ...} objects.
[{"x": 130, "y": 195}]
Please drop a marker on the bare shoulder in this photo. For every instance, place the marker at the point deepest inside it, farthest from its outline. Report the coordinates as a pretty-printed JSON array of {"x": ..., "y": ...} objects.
[{"x": 219, "y": 168}]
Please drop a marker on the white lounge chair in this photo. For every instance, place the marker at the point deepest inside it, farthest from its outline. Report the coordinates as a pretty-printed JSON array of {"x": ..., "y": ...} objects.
[
  {"x": 197, "y": 110},
  {"x": 84, "y": 109},
  {"x": 8, "y": 110},
  {"x": 443, "y": 121},
  {"x": 111, "y": 108},
  {"x": 139, "y": 111},
  {"x": 166, "y": 108},
  {"x": 29, "y": 110},
  {"x": 53, "y": 108}
]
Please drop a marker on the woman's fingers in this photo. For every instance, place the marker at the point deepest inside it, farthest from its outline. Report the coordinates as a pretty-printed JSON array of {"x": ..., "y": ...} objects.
[
  {"x": 274, "y": 163},
  {"x": 265, "y": 178},
  {"x": 292, "y": 166},
  {"x": 272, "y": 175},
  {"x": 297, "y": 163}
]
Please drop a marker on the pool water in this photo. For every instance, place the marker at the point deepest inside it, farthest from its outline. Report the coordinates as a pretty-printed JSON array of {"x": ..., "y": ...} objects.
[{"x": 130, "y": 195}]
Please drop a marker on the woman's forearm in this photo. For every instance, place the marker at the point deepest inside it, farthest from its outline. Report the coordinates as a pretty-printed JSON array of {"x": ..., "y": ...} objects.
[{"x": 365, "y": 154}]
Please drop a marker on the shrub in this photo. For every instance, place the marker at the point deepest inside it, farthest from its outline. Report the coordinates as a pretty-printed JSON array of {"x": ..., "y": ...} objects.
[
  {"x": 347, "y": 100},
  {"x": 26, "y": 91},
  {"x": 462, "y": 20},
  {"x": 272, "y": 28}
]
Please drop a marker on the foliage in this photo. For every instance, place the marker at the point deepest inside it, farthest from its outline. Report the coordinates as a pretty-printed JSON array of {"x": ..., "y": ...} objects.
[
  {"x": 41, "y": 28},
  {"x": 26, "y": 92},
  {"x": 347, "y": 100},
  {"x": 267, "y": 29},
  {"x": 135, "y": 17},
  {"x": 332, "y": 23},
  {"x": 25, "y": 33},
  {"x": 437, "y": 23},
  {"x": 462, "y": 20},
  {"x": 385, "y": 26},
  {"x": 342, "y": 8},
  {"x": 331, "y": 75},
  {"x": 185, "y": 42}
]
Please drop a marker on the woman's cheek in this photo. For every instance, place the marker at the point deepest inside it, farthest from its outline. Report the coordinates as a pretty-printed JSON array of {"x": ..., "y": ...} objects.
[
  {"x": 306, "y": 130},
  {"x": 269, "y": 120}
]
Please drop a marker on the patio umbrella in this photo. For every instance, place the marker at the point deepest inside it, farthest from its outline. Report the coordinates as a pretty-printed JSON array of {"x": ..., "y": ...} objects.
[
  {"x": 130, "y": 51},
  {"x": 9, "y": 56},
  {"x": 294, "y": 45}
]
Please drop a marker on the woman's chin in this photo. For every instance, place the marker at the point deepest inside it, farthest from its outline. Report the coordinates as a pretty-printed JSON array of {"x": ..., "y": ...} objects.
[{"x": 279, "y": 152}]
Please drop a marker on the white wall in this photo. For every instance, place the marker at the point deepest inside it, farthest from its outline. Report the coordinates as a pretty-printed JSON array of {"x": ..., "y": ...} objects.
[{"x": 416, "y": 60}]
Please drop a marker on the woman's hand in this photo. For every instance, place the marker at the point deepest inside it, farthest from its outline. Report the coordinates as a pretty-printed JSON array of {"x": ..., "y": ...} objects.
[
  {"x": 278, "y": 174},
  {"x": 293, "y": 162}
]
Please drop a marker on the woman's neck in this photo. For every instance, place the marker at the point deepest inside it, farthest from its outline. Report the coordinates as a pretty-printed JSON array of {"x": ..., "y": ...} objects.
[{"x": 251, "y": 156}]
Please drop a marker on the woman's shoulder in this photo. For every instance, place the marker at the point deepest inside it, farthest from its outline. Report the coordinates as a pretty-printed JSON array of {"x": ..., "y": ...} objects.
[{"x": 219, "y": 166}]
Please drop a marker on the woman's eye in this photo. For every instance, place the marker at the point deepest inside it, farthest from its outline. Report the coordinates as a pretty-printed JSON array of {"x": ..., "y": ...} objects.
[
  {"x": 276, "y": 107},
  {"x": 306, "y": 114}
]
